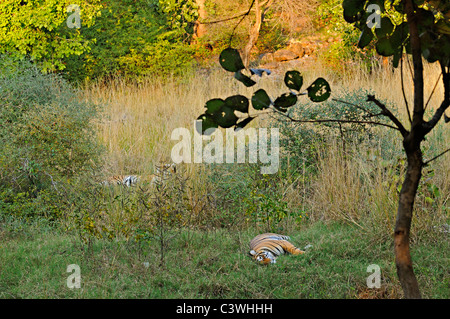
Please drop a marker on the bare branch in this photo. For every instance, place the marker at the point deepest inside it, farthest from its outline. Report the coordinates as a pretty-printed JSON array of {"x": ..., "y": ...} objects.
[
  {"x": 357, "y": 106},
  {"x": 428, "y": 126},
  {"x": 432, "y": 92},
  {"x": 436, "y": 157},
  {"x": 389, "y": 114},
  {"x": 334, "y": 121},
  {"x": 403, "y": 91}
]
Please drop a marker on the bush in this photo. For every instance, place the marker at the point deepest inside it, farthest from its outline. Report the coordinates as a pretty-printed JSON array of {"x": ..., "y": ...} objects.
[
  {"x": 47, "y": 135},
  {"x": 135, "y": 38}
]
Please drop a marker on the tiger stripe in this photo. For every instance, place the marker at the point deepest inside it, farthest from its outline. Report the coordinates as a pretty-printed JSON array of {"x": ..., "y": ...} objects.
[
  {"x": 163, "y": 172},
  {"x": 265, "y": 248}
]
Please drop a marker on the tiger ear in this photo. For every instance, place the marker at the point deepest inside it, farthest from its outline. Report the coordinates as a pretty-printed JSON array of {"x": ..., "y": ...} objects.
[{"x": 252, "y": 252}]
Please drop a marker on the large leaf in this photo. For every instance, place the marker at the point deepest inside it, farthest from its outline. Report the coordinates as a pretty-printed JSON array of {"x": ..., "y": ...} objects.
[
  {"x": 353, "y": 9},
  {"x": 260, "y": 100},
  {"x": 284, "y": 101},
  {"x": 400, "y": 35},
  {"x": 365, "y": 38},
  {"x": 225, "y": 117},
  {"x": 243, "y": 123},
  {"x": 384, "y": 47},
  {"x": 214, "y": 105},
  {"x": 237, "y": 102},
  {"x": 205, "y": 122},
  {"x": 230, "y": 60},
  {"x": 319, "y": 90},
  {"x": 244, "y": 79},
  {"x": 386, "y": 27},
  {"x": 293, "y": 80}
]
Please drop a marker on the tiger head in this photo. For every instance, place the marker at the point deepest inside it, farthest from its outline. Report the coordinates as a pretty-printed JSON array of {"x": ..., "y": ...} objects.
[{"x": 263, "y": 257}]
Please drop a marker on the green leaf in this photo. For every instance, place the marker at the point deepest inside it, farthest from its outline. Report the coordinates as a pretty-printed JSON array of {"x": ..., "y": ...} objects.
[
  {"x": 365, "y": 38},
  {"x": 400, "y": 35},
  {"x": 284, "y": 101},
  {"x": 386, "y": 27},
  {"x": 260, "y": 100},
  {"x": 243, "y": 123},
  {"x": 293, "y": 80},
  {"x": 319, "y": 90},
  {"x": 214, "y": 106},
  {"x": 352, "y": 9},
  {"x": 384, "y": 47},
  {"x": 237, "y": 102},
  {"x": 205, "y": 122},
  {"x": 230, "y": 60},
  {"x": 244, "y": 79},
  {"x": 225, "y": 117},
  {"x": 396, "y": 58},
  {"x": 426, "y": 17}
]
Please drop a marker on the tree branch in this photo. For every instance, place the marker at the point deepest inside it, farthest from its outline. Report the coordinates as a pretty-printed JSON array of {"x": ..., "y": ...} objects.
[
  {"x": 389, "y": 114},
  {"x": 403, "y": 90},
  {"x": 436, "y": 157},
  {"x": 334, "y": 121},
  {"x": 355, "y": 105},
  {"x": 428, "y": 126}
]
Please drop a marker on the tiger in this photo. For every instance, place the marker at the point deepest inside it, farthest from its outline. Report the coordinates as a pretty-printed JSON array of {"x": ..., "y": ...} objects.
[
  {"x": 163, "y": 172},
  {"x": 265, "y": 248}
]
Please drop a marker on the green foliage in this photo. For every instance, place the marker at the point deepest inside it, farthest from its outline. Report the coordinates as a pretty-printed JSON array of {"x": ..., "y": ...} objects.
[
  {"x": 302, "y": 142},
  {"x": 392, "y": 35},
  {"x": 221, "y": 113},
  {"x": 264, "y": 206},
  {"x": 46, "y": 132},
  {"x": 180, "y": 16},
  {"x": 133, "y": 39},
  {"x": 37, "y": 29},
  {"x": 243, "y": 196}
]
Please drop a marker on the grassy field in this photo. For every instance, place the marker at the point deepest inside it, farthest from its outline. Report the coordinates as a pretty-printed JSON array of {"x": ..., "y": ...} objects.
[
  {"x": 214, "y": 264},
  {"x": 192, "y": 241}
]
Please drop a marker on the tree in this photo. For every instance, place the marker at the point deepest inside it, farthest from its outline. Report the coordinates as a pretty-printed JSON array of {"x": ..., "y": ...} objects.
[
  {"x": 43, "y": 30},
  {"x": 421, "y": 29},
  {"x": 424, "y": 31}
]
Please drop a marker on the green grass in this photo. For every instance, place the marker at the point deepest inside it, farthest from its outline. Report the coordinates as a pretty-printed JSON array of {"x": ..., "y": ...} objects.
[{"x": 212, "y": 264}]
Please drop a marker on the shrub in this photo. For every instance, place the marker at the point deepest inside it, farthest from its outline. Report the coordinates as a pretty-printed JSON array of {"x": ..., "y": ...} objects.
[
  {"x": 46, "y": 131},
  {"x": 135, "y": 38}
]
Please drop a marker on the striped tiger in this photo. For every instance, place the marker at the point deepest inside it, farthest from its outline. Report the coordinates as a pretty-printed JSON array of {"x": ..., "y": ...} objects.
[
  {"x": 265, "y": 248},
  {"x": 163, "y": 172}
]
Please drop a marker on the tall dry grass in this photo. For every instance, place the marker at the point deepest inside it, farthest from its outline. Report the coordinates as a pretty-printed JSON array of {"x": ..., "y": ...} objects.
[{"x": 138, "y": 121}]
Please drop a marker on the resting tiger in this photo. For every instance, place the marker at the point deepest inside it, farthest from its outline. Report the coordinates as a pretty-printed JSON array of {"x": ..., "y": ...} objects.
[
  {"x": 163, "y": 172},
  {"x": 265, "y": 248}
]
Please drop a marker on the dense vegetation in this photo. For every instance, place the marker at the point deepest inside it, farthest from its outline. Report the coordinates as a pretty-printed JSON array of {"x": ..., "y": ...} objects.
[{"x": 337, "y": 187}]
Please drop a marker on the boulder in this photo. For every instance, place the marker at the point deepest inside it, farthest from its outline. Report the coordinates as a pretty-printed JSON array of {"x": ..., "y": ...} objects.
[
  {"x": 271, "y": 65},
  {"x": 284, "y": 55},
  {"x": 297, "y": 48},
  {"x": 266, "y": 58}
]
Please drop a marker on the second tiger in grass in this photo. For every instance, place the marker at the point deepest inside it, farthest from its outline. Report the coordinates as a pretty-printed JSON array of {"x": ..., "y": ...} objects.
[{"x": 265, "y": 248}]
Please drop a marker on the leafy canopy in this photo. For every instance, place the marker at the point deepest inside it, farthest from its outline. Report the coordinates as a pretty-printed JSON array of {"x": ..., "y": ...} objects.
[
  {"x": 38, "y": 29},
  {"x": 392, "y": 33}
]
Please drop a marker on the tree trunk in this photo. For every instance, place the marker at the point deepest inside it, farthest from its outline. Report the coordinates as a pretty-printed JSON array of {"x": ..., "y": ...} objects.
[
  {"x": 254, "y": 34},
  {"x": 403, "y": 223},
  {"x": 200, "y": 28},
  {"x": 411, "y": 145}
]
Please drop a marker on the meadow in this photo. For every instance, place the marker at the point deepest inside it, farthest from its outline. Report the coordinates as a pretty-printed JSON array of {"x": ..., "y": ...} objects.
[{"x": 336, "y": 190}]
